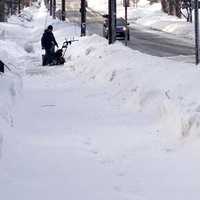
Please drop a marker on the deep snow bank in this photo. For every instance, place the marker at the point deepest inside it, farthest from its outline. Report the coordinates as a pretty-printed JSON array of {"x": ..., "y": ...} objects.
[
  {"x": 165, "y": 90},
  {"x": 14, "y": 49},
  {"x": 10, "y": 84},
  {"x": 10, "y": 89},
  {"x": 12, "y": 52}
]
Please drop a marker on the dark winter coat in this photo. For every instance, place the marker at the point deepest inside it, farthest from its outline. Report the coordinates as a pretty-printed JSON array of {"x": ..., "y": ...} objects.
[
  {"x": 2, "y": 66},
  {"x": 48, "y": 40}
]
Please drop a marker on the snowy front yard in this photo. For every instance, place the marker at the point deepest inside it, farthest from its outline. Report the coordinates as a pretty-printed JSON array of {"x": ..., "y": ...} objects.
[{"x": 110, "y": 124}]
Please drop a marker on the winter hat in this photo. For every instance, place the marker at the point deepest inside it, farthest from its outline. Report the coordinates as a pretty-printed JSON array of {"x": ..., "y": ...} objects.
[{"x": 50, "y": 27}]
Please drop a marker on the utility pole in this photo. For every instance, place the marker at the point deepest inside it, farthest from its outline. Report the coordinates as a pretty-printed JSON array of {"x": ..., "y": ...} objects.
[
  {"x": 51, "y": 7},
  {"x": 19, "y": 6},
  {"x": 83, "y": 17},
  {"x": 63, "y": 10},
  {"x": 196, "y": 14},
  {"x": 126, "y": 5},
  {"x": 54, "y": 9},
  {"x": 112, "y": 7}
]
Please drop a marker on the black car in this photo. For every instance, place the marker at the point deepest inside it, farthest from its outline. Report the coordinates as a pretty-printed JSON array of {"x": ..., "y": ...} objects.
[{"x": 121, "y": 28}]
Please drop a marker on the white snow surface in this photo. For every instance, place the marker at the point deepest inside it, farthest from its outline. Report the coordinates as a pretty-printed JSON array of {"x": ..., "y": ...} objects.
[{"x": 110, "y": 124}]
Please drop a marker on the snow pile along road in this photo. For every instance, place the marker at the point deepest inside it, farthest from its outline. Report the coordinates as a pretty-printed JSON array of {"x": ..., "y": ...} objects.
[
  {"x": 166, "y": 91},
  {"x": 15, "y": 47},
  {"x": 10, "y": 90}
]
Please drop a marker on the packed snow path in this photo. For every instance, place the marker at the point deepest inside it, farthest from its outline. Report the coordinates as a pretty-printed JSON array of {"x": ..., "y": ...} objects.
[
  {"x": 69, "y": 141},
  {"x": 48, "y": 152}
]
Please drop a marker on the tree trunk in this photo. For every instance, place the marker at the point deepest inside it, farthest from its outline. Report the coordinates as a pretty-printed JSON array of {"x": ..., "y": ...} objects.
[
  {"x": 178, "y": 8},
  {"x": 172, "y": 9},
  {"x": 164, "y": 5},
  {"x": 2, "y": 11}
]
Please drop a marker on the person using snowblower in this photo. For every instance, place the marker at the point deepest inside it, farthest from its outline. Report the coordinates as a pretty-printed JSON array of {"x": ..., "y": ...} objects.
[{"x": 48, "y": 43}]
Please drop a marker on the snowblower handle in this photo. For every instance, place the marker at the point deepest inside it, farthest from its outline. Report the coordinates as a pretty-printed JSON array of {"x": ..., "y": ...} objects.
[{"x": 68, "y": 42}]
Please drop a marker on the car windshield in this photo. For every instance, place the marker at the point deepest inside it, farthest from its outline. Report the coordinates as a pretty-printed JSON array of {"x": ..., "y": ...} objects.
[{"x": 120, "y": 22}]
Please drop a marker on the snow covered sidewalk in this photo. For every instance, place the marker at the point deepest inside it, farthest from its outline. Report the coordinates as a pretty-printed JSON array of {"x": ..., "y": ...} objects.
[
  {"x": 69, "y": 141},
  {"x": 48, "y": 154}
]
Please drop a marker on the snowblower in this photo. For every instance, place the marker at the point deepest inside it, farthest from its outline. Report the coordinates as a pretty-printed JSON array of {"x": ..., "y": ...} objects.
[{"x": 58, "y": 57}]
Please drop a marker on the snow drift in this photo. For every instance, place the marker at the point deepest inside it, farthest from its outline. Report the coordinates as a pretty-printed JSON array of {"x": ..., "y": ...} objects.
[{"x": 165, "y": 90}]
